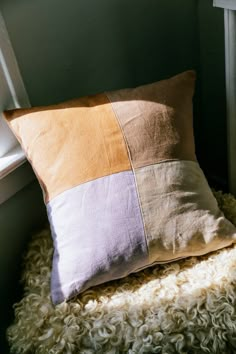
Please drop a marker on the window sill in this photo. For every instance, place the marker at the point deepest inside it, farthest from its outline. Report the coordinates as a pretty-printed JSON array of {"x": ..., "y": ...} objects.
[
  {"x": 226, "y": 4},
  {"x": 11, "y": 161},
  {"x": 15, "y": 173}
]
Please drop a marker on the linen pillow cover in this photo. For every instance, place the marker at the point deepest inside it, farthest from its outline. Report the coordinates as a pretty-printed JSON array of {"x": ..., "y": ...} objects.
[{"x": 121, "y": 182}]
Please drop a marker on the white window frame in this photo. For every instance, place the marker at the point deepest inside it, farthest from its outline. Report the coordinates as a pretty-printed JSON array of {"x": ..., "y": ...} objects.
[
  {"x": 15, "y": 173},
  {"x": 229, "y": 7}
]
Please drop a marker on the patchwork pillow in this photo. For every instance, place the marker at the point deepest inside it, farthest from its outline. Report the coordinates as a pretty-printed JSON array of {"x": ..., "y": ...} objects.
[{"x": 121, "y": 182}]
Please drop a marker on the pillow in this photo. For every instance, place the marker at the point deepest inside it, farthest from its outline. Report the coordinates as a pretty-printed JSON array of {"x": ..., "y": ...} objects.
[{"x": 121, "y": 183}]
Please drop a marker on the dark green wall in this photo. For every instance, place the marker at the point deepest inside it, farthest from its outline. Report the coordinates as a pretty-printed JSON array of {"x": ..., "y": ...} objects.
[
  {"x": 78, "y": 47},
  {"x": 211, "y": 139}
]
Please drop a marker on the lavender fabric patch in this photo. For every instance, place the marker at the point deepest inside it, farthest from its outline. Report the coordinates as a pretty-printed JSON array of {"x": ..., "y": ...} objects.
[{"x": 98, "y": 234}]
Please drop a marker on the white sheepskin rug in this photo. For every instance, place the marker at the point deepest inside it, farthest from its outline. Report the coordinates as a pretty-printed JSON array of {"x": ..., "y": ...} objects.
[{"x": 187, "y": 306}]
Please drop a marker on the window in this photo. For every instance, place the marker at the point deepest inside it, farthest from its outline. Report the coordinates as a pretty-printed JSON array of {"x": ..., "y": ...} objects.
[{"x": 12, "y": 95}]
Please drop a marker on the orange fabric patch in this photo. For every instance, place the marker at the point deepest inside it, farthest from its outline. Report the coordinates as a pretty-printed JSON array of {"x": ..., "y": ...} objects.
[{"x": 71, "y": 143}]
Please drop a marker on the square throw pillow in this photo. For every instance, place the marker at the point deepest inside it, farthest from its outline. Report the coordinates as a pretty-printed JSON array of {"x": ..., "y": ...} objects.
[{"x": 121, "y": 182}]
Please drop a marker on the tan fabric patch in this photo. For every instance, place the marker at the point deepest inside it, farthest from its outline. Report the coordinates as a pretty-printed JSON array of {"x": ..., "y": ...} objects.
[
  {"x": 181, "y": 216},
  {"x": 157, "y": 119},
  {"x": 71, "y": 143}
]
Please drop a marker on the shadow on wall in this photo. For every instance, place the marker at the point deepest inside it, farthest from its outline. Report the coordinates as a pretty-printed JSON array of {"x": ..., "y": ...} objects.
[
  {"x": 89, "y": 47},
  {"x": 19, "y": 216}
]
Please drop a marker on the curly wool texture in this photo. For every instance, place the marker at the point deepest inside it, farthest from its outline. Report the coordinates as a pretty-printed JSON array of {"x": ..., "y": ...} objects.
[{"x": 187, "y": 306}]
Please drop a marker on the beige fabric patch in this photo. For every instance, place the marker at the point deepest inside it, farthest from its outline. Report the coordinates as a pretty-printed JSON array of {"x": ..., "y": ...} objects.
[
  {"x": 156, "y": 119},
  {"x": 180, "y": 213}
]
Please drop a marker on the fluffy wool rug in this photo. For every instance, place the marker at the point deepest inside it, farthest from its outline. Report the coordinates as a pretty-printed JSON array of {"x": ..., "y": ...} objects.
[{"x": 187, "y": 306}]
